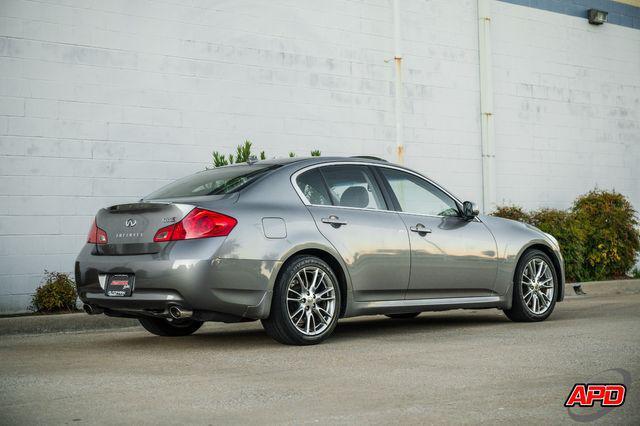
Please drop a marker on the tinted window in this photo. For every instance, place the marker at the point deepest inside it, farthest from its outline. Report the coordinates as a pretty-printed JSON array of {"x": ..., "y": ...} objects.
[
  {"x": 313, "y": 188},
  {"x": 416, "y": 195},
  {"x": 353, "y": 186},
  {"x": 223, "y": 180}
]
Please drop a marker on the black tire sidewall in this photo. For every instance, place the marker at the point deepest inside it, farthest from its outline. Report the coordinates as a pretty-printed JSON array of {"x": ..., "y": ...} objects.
[{"x": 280, "y": 311}]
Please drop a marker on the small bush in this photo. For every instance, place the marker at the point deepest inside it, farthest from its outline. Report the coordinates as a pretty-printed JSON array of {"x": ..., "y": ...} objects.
[
  {"x": 611, "y": 228},
  {"x": 513, "y": 213},
  {"x": 571, "y": 238},
  {"x": 598, "y": 236},
  {"x": 57, "y": 294}
]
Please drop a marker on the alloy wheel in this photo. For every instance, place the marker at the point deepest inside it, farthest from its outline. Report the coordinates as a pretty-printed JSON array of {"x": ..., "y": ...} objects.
[
  {"x": 311, "y": 301},
  {"x": 537, "y": 286}
]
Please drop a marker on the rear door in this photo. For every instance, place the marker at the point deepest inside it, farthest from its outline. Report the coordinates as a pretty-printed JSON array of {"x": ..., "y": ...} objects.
[
  {"x": 450, "y": 256},
  {"x": 351, "y": 212}
]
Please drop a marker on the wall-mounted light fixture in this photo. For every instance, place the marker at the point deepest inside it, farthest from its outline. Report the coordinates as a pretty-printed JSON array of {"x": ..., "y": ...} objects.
[{"x": 597, "y": 17}]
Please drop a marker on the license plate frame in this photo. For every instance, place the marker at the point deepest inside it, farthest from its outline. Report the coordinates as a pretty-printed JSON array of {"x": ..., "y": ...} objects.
[{"x": 119, "y": 285}]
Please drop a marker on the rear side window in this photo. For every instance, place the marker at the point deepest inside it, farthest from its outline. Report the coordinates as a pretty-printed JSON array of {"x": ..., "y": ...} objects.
[
  {"x": 313, "y": 188},
  {"x": 219, "y": 181},
  {"x": 353, "y": 186}
]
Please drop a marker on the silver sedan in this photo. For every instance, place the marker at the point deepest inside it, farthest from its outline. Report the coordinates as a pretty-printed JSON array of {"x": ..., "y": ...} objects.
[{"x": 300, "y": 243}]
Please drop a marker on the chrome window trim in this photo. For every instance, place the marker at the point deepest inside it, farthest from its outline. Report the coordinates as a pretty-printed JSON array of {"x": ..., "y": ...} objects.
[{"x": 294, "y": 183}]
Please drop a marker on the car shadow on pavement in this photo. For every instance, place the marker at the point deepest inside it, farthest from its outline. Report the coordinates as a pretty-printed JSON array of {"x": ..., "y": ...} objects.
[
  {"x": 380, "y": 326},
  {"x": 253, "y": 336}
]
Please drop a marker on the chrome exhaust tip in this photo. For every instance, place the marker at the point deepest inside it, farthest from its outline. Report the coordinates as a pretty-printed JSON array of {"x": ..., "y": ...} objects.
[
  {"x": 177, "y": 312},
  {"x": 92, "y": 310}
]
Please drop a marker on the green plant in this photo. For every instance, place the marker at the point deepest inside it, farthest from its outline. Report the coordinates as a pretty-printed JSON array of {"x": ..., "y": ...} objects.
[
  {"x": 56, "y": 294},
  {"x": 598, "y": 236},
  {"x": 243, "y": 154},
  {"x": 612, "y": 239},
  {"x": 571, "y": 237},
  {"x": 219, "y": 160},
  {"x": 513, "y": 213},
  {"x": 635, "y": 272}
]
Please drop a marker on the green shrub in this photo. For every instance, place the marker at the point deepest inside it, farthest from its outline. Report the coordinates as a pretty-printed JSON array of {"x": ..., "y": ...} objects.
[
  {"x": 571, "y": 238},
  {"x": 611, "y": 232},
  {"x": 513, "y": 213},
  {"x": 57, "y": 294},
  {"x": 598, "y": 236},
  {"x": 243, "y": 154}
]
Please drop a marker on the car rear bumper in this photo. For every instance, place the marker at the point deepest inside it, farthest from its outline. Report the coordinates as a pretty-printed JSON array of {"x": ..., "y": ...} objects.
[{"x": 184, "y": 273}]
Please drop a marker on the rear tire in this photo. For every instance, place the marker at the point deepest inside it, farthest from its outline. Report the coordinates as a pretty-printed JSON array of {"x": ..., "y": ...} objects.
[
  {"x": 166, "y": 328},
  {"x": 304, "y": 313},
  {"x": 529, "y": 285},
  {"x": 403, "y": 316}
]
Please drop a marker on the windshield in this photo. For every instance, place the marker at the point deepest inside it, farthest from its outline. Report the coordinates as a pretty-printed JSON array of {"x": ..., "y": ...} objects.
[{"x": 223, "y": 180}]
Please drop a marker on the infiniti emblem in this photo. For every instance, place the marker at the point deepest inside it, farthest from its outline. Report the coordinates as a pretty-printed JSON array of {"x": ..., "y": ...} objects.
[{"x": 130, "y": 223}]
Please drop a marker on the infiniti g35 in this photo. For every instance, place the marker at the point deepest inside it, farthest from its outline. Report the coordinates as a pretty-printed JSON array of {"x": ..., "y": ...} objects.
[{"x": 300, "y": 243}]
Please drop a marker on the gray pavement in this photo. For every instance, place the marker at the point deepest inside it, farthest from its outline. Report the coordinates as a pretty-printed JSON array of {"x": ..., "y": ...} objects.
[{"x": 449, "y": 367}]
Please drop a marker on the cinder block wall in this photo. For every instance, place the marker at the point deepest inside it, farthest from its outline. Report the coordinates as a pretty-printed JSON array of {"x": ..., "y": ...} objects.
[
  {"x": 102, "y": 102},
  {"x": 567, "y": 97}
]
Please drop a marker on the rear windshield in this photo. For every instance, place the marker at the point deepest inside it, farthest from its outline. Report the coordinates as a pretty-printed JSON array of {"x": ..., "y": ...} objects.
[{"x": 223, "y": 180}]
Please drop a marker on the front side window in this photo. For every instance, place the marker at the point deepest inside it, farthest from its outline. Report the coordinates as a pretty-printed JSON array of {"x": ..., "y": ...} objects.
[
  {"x": 219, "y": 181},
  {"x": 417, "y": 195},
  {"x": 353, "y": 186}
]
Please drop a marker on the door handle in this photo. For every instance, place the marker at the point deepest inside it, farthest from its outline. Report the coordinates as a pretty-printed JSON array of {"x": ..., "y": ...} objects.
[
  {"x": 333, "y": 221},
  {"x": 420, "y": 229}
]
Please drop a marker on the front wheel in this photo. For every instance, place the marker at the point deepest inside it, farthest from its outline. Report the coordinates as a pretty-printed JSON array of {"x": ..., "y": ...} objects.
[
  {"x": 166, "y": 327},
  {"x": 306, "y": 303},
  {"x": 535, "y": 288}
]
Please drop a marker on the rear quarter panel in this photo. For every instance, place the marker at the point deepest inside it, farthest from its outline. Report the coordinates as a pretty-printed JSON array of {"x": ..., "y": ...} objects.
[{"x": 259, "y": 247}]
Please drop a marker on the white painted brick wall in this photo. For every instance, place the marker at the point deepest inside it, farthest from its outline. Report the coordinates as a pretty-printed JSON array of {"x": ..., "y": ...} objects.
[
  {"x": 567, "y": 107},
  {"x": 104, "y": 101}
]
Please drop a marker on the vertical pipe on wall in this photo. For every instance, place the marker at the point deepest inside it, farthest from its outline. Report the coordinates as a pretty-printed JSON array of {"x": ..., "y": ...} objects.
[
  {"x": 486, "y": 106},
  {"x": 398, "y": 95}
]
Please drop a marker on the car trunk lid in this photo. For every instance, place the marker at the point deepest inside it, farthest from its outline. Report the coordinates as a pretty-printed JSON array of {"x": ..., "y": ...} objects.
[{"x": 131, "y": 227}]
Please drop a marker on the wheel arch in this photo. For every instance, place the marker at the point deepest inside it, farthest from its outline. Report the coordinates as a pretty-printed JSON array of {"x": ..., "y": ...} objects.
[
  {"x": 335, "y": 265},
  {"x": 556, "y": 264}
]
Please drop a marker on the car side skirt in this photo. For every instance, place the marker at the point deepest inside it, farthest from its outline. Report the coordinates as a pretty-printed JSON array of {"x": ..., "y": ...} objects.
[{"x": 422, "y": 305}]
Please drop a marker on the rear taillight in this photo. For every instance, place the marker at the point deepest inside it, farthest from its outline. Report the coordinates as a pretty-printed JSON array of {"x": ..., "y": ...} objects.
[
  {"x": 199, "y": 223},
  {"x": 97, "y": 235}
]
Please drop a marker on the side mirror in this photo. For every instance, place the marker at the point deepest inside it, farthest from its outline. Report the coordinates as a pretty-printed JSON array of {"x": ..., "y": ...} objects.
[{"x": 469, "y": 210}]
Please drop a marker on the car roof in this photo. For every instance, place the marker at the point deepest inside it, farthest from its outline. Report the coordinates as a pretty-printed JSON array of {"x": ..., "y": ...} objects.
[{"x": 318, "y": 160}]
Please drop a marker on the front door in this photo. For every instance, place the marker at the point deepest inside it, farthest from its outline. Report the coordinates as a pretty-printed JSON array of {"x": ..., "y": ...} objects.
[
  {"x": 450, "y": 256},
  {"x": 350, "y": 211}
]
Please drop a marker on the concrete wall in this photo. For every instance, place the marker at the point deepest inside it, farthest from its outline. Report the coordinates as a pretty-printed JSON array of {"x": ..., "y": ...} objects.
[{"x": 104, "y": 101}]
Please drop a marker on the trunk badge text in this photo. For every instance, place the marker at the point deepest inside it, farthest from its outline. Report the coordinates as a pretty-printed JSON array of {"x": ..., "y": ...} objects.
[
  {"x": 130, "y": 223},
  {"x": 129, "y": 235},
  {"x": 168, "y": 219}
]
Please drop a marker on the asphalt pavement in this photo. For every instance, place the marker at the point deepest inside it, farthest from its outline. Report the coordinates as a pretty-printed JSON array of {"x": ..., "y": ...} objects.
[{"x": 448, "y": 367}]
